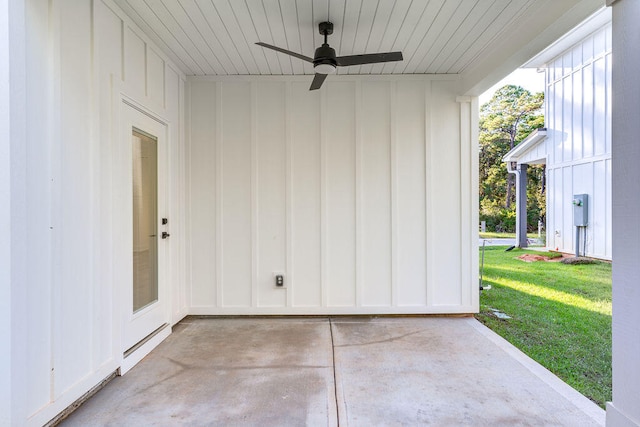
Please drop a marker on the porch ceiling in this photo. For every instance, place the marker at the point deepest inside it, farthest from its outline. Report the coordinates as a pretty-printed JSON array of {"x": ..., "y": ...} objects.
[{"x": 217, "y": 37}]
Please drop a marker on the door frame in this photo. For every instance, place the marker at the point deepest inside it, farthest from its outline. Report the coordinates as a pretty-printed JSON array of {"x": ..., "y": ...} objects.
[{"x": 125, "y": 109}]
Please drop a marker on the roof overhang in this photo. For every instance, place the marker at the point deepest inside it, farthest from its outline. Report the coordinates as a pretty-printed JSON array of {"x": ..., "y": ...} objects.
[
  {"x": 528, "y": 36},
  {"x": 587, "y": 27},
  {"x": 530, "y": 142}
]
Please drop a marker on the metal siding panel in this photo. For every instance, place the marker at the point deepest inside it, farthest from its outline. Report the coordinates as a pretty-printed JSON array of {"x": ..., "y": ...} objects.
[
  {"x": 304, "y": 121},
  {"x": 609, "y": 206},
  {"x": 550, "y": 121},
  {"x": 270, "y": 192},
  {"x": 567, "y": 118},
  {"x": 588, "y": 111},
  {"x": 134, "y": 62},
  {"x": 567, "y": 217},
  {"x": 73, "y": 299},
  {"x": 445, "y": 201},
  {"x": 608, "y": 118},
  {"x": 587, "y": 49},
  {"x": 577, "y": 115},
  {"x": 236, "y": 194},
  {"x": 340, "y": 177},
  {"x": 155, "y": 77},
  {"x": 599, "y": 43},
  {"x": 576, "y": 57},
  {"x": 411, "y": 188},
  {"x": 558, "y": 208},
  {"x": 558, "y": 135},
  {"x": 550, "y": 209},
  {"x": 203, "y": 204},
  {"x": 376, "y": 194},
  {"x": 599, "y": 219},
  {"x": 600, "y": 102}
]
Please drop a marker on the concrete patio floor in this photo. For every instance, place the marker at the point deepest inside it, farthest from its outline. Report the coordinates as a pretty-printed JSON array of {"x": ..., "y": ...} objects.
[{"x": 359, "y": 371}]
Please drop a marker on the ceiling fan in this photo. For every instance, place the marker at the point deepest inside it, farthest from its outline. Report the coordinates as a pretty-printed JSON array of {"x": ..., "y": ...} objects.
[{"x": 325, "y": 60}]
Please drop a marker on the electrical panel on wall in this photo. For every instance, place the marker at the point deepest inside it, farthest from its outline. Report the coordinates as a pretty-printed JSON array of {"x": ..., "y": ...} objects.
[{"x": 580, "y": 210}]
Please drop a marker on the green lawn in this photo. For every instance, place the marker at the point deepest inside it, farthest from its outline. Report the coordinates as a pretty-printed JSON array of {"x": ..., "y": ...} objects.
[
  {"x": 496, "y": 235},
  {"x": 560, "y": 316}
]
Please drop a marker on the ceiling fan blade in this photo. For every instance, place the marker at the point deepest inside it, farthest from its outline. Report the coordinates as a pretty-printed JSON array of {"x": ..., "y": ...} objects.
[
  {"x": 287, "y": 52},
  {"x": 368, "y": 58},
  {"x": 317, "y": 81}
]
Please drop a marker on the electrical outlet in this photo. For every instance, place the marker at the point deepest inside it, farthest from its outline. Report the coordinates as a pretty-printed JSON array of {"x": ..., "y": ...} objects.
[{"x": 278, "y": 279}]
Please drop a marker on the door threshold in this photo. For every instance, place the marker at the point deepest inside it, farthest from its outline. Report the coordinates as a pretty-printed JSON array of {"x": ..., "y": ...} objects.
[{"x": 137, "y": 352}]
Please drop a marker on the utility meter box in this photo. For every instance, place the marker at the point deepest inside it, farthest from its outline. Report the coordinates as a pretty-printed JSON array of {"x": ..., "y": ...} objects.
[{"x": 580, "y": 210}]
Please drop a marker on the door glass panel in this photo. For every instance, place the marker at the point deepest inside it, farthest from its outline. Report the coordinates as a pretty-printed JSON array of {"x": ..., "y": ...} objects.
[{"x": 145, "y": 220}]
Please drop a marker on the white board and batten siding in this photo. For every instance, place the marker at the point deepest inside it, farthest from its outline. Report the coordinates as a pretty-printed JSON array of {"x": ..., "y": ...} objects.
[
  {"x": 80, "y": 58},
  {"x": 578, "y": 145},
  {"x": 359, "y": 193}
]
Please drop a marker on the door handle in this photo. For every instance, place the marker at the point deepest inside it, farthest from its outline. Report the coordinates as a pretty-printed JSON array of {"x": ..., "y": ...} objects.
[{"x": 165, "y": 234}]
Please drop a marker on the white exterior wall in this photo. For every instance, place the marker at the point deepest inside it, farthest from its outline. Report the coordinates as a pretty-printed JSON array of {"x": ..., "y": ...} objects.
[
  {"x": 624, "y": 410},
  {"x": 12, "y": 211},
  {"x": 5, "y": 216},
  {"x": 81, "y": 57},
  {"x": 360, "y": 193},
  {"x": 578, "y": 145}
]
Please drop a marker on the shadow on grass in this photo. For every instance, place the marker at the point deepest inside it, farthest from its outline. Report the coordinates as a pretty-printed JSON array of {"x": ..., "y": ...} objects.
[
  {"x": 571, "y": 341},
  {"x": 590, "y": 279}
]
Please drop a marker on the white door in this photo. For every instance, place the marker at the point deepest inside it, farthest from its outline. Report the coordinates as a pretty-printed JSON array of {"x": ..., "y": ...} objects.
[{"x": 145, "y": 294}]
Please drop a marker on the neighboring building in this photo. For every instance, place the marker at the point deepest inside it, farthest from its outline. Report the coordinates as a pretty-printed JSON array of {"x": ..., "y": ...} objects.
[{"x": 576, "y": 145}]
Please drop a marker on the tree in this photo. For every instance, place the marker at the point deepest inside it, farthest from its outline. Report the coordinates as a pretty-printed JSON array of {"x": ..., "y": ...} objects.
[{"x": 508, "y": 118}]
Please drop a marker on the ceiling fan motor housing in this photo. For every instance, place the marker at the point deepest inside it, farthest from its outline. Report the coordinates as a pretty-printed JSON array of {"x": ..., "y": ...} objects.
[{"x": 324, "y": 60}]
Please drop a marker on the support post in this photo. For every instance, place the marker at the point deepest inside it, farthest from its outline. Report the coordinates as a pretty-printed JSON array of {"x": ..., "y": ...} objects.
[
  {"x": 624, "y": 410},
  {"x": 521, "y": 206}
]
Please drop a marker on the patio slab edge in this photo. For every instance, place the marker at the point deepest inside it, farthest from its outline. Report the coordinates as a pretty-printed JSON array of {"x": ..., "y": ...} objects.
[{"x": 591, "y": 409}]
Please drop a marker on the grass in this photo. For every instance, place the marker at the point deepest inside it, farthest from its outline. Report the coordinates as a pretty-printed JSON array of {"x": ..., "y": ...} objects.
[
  {"x": 550, "y": 254},
  {"x": 560, "y": 316},
  {"x": 496, "y": 235}
]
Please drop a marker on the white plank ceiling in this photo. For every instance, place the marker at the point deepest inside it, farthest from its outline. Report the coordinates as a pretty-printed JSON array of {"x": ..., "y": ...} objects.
[{"x": 217, "y": 37}]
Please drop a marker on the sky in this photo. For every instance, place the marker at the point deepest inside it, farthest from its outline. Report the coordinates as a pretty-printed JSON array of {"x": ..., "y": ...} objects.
[{"x": 528, "y": 78}]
